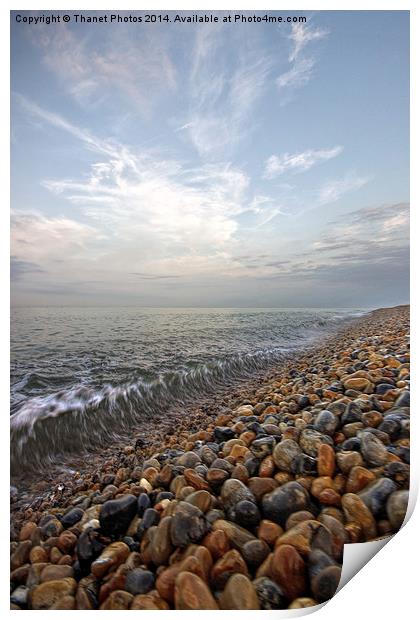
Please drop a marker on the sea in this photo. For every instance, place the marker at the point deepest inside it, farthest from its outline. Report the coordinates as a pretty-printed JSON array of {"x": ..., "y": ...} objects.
[{"x": 86, "y": 376}]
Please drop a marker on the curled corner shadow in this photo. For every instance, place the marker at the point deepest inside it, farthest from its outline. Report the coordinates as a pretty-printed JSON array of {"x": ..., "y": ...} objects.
[{"x": 357, "y": 555}]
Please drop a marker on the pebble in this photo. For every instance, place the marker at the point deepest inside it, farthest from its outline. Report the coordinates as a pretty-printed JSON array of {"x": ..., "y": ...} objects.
[
  {"x": 50, "y": 593},
  {"x": 282, "y": 502},
  {"x": 375, "y": 494},
  {"x": 326, "y": 422},
  {"x": 232, "y": 562},
  {"x": 326, "y": 460},
  {"x": 373, "y": 450},
  {"x": 356, "y": 510},
  {"x": 289, "y": 571},
  {"x": 111, "y": 556},
  {"x": 270, "y": 594},
  {"x": 284, "y": 453},
  {"x": 325, "y": 584},
  {"x": 396, "y": 508},
  {"x": 116, "y": 515},
  {"x": 193, "y": 593},
  {"x": 71, "y": 517},
  {"x": 139, "y": 581},
  {"x": 239, "y": 593}
]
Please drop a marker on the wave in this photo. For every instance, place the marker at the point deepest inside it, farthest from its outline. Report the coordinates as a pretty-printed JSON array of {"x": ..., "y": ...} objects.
[{"x": 83, "y": 417}]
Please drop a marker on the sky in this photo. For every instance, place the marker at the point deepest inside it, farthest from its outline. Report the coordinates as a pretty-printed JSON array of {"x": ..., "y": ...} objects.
[{"x": 215, "y": 165}]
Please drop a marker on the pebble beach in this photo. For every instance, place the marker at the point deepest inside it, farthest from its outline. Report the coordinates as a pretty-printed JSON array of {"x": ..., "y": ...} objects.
[{"x": 245, "y": 504}]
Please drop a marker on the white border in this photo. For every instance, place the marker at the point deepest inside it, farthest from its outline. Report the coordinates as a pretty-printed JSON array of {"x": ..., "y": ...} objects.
[{"x": 387, "y": 586}]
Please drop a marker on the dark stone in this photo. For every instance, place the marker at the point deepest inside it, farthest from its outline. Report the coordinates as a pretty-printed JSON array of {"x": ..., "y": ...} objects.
[
  {"x": 150, "y": 517},
  {"x": 188, "y": 525},
  {"x": 252, "y": 464},
  {"x": 213, "y": 515},
  {"x": 143, "y": 503},
  {"x": 326, "y": 422},
  {"x": 382, "y": 388},
  {"x": 352, "y": 444},
  {"x": 263, "y": 447},
  {"x": 303, "y": 402},
  {"x": 317, "y": 561},
  {"x": 131, "y": 543},
  {"x": 222, "y": 464},
  {"x": 270, "y": 595},
  {"x": 399, "y": 473},
  {"x": 223, "y": 433},
  {"x": 139, "y": 581},
  {"x": 352, "y": 413},
  {"x": 71, "y": 517},
  {"x": 234, "y": 491},
  {"x": 163, "y": 495},
  {"x": 304, "y": 464},
  {"x": 282, "y": 502},
  {"x": 375, "y": 494},
  {"x": 254, "y": 552},
  {"x": 325, "y": 584},
  {"x": 391, "y": 427},
  {"x": 403, "y": 399},
  {"x": 373, "y": 450},
  {"x": 88, "y": 548},
  {"x": 117, "y": 514},
  {"x": 246, "y": 514}
]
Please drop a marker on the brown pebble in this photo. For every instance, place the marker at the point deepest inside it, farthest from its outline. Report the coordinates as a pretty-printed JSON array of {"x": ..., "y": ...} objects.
[
  {"x": 119, "y": 599},
  {"x": 195, "y": 480},
  {"x": 21, "y": 555},
  {"x": 165, "y": 583},
  {"x": 38, "y": 554},
  {"x": 326, "y": 460},
  {"x": 232, "y": 562},
  {"x": 268, "y": 531},
  {"x": 148, "y": 601},
  {"x": 53, "y": 572},
  {"x": 358, "y": 478},
  {"x": 48, "y": 594},
  {"x": 302, "y": 603},
  {"x": 298, "y": 517},
  {"x": 289, "y": 571},
  {"x": 191, "y": 592},
  {"x": 217, "y": 543},
  {"x": 55, "y": 555},
  {"x": 239, "y": 593},
  {"x": 111, "y": 556},
  {"x": 27, "y": 530},
  {"x": 355, "y": 510},
  {"x": 260, "y": 486}
]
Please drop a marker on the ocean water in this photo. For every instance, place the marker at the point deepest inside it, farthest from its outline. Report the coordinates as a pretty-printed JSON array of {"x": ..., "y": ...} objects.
[{"x": 82, "y": 377}]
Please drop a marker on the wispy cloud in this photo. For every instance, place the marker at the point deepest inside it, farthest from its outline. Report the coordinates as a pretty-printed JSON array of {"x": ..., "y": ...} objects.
[
  {"x": 363, "y": 250},
  {"x": 140, "y": 69},
  {"x": 224, "y": 94},
  {"x": 298, "y": 162},
  {"x": 301, "y": 68},
  {"x": 135, "y": 208},
  {"x": 334, "y": 189},
  {"x": 301, "y": 35},
  {"x": 298, "y": 75}
]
